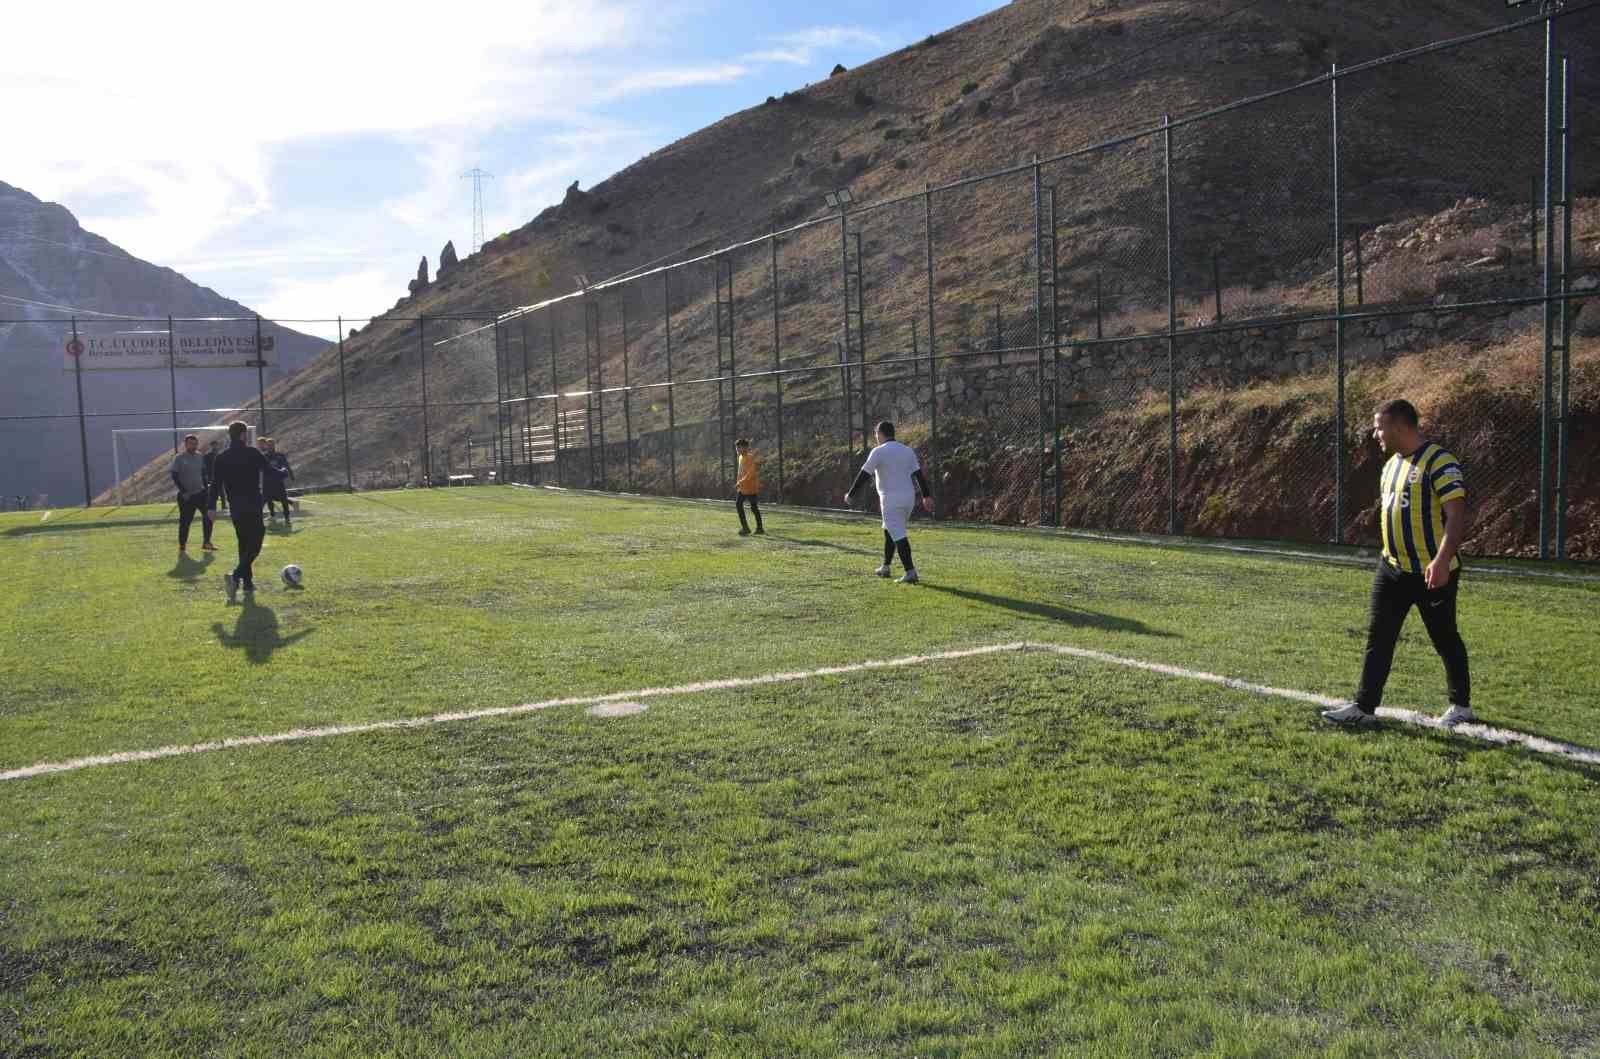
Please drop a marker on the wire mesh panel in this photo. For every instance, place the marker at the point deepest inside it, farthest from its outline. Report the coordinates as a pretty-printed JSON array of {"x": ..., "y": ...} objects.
[
  {"x": 1252, "y": 204},
  {"x": 1257, "y": 405},
  {"x": 1443, "y": 173},
  {"x": 984, "y": 265},
  {"x": 893, "y": 272},
  {"x": 44, "y": 465},
  {"x": 1112, "y": 276},
  {"x": 1112, "y": 239}
]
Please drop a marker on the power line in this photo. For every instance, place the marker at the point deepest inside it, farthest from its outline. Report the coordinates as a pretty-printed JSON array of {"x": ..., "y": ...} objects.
[{"x": 478, "y": 176}]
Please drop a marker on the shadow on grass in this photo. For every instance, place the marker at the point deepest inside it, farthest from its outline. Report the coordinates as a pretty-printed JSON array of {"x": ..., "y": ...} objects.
[
  {"x": 256, "y": 632},
  {"x": 63, "y": 526},
  {"x": 1464, "y": 743},
  {"x": 812, "y": 542},
  {"x": 1051, "y": 612},
  {"x": 369, "y": 498},
  {"x": 190, "y": 569}
]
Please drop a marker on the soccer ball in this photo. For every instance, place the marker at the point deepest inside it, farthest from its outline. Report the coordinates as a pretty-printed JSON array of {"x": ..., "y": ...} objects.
[{"x": 292, "y": 576}]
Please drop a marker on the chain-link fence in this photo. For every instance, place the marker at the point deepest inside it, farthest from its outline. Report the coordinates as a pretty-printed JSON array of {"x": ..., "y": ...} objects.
[{"x": 1179, "y": 330}]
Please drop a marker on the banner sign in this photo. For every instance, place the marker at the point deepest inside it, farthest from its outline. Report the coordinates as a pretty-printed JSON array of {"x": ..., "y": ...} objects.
[{"x": 148, "y": 350}]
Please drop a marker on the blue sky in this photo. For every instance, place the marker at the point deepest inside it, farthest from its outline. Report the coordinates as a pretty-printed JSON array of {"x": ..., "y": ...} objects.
[{"x": 301, "y": 157}]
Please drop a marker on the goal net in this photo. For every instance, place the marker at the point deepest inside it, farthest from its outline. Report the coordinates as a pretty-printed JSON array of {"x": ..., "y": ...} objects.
[{"x": 130, "y": 448}]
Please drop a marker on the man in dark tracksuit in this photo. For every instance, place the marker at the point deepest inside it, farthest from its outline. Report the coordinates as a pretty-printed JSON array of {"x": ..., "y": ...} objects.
[
  {"x": 189, "y": 475},
  {"x": 238, "y": 472},
  {"x": 277, "y": 488},
  {"x": 212, "y": 452}
]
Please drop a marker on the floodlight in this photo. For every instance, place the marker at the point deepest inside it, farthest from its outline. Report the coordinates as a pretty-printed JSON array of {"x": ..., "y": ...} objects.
[
  {"x": 831, "y": 199},
  {"x": 844, "y": 196}
]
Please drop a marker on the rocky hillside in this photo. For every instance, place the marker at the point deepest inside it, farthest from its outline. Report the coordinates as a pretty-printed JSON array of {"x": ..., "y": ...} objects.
[
  {"x": 49, "y": 266},
  {"x": 1250, "y": 193}
]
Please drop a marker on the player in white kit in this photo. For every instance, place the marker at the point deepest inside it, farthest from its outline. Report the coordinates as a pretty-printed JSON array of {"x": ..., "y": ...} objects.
[{"x": 898, "y": 475}]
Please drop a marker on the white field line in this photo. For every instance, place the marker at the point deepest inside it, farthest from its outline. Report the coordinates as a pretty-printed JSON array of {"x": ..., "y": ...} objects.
[
  {"x": 45, "y": 517},
  {"x": 1477, "y": 731}
]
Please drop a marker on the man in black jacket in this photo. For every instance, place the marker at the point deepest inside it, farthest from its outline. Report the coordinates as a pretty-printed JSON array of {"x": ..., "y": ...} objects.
[
  {"x": 237, "y": 474},
  {"x": 213, "y": 450}
]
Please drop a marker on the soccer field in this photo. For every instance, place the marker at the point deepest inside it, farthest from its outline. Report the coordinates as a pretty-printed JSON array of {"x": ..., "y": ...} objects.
[{"x": 1000, "y": 853}]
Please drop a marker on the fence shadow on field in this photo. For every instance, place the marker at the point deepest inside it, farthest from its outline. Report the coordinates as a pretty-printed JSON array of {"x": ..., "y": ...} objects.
[
  {"x": 54, "y": 526},
  {"x": 256, "y": 633},
  {"x": 1051, "y": 612}
]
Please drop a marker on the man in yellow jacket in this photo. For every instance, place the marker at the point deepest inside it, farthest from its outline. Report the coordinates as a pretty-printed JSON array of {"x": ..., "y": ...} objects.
[{"x": 748, "y": 486}]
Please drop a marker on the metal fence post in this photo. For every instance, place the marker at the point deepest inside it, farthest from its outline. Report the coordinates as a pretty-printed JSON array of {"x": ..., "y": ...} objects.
[
  {"x": 555, "y": 390},
  {"x": 172, "y": 379},
  {"x": 777, "y": 361},
  {"x": 672, "y": 411},
  {"x": 1338, "y": 320},
  {"x": 261, "y": 381},
  {"x": 1172, "y": 337},
  {"x": 933, "y": 363},
  {"x": 83, "y": 432},
  {"x": 422, "y": 363},
  {"x": 1565, "y": 412},
  {"x": 1546, "y": 399},
  {"x": 502, "y": 387},
  {"x": 627, "y": 394},
  {"x": 519, "y": 441},
  {"x": 344, "y": 409}
]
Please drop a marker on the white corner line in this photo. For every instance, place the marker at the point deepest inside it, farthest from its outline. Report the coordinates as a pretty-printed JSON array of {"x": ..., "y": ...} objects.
[{"x": 1502, "y": 737}]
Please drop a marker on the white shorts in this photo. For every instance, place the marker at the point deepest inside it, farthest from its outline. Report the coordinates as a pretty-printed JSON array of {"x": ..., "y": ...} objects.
[{"x": 896, "y": 511}]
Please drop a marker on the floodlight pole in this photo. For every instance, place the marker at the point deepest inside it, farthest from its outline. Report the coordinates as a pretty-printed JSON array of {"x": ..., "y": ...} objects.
[{"x": 83, "y": 433}]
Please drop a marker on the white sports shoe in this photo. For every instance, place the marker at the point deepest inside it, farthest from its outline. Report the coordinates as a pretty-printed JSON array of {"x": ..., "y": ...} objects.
[
  {"x": 910, "y": 577},
  {"x": 1349, "y": 713},
  {"x": 1455, "y": 715},
  {"x": 883, "y": 571}
]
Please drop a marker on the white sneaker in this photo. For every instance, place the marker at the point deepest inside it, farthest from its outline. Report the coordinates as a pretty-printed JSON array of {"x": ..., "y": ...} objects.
[
  {"x": 910, "y": 577},
  {"x": 883, "y": 571},
  {"x": 231, "y": 583},
  {"x": 1455, "y": 715},
  {"x": 1349, "y": 713}
]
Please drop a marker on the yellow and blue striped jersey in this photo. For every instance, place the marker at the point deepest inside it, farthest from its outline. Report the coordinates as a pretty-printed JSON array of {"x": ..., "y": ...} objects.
[{"x": 1415, "y": 488}]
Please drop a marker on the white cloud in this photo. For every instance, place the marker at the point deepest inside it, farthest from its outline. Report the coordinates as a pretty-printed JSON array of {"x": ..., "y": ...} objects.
[
  {"x": 800, "y": 48},
  {"x": 178, "y": 109},
  {"x": 675, "y": 77}
]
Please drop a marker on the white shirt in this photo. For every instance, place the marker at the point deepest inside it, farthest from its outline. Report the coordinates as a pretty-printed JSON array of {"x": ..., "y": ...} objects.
[{"x": 891, "y": 465}]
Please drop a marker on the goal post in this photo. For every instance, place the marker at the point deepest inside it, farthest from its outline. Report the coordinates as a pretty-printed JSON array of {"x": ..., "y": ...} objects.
[{"x": 207, "y": 432}]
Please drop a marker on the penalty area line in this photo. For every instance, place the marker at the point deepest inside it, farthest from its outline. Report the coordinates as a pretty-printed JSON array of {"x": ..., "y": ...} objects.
[{"x": 1485, "y": 733}]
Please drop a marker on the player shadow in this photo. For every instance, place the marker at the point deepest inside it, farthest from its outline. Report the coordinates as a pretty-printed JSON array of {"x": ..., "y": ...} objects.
[
  {"x": 1466, "y": 743},
  {"x": 1050, "y": 612},
  {"x": 812, "y": 542},
  {"x": 256, "y": 632},
  {"x": 189, "y": 568}
]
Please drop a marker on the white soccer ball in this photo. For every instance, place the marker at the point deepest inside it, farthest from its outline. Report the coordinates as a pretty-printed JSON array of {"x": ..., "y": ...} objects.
[{"x": 293, "y": 576}]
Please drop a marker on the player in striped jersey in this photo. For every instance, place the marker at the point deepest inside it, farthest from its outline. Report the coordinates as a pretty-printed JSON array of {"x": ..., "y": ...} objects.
[{"x": 1423, "y": 520}]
